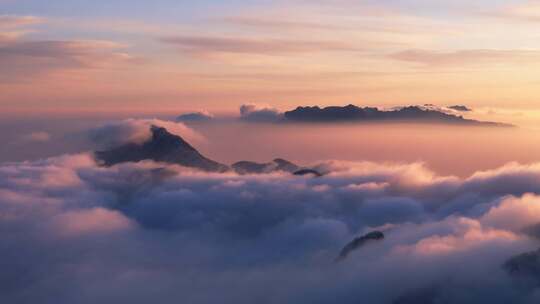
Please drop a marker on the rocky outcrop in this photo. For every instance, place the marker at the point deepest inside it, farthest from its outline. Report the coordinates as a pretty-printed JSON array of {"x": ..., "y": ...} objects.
[
  {"x": 161, "y": 147},
  {"x": 359, "y": 242},
  {"x": 277, "y": 165},
  {"x": 526, "y": 265},
  {"x": 311, "y": 172}
]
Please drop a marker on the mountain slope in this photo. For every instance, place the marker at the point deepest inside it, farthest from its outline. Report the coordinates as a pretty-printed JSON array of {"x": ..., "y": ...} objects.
[
  {"x": 161, "y": 147},
  {"x": 358, "y": 243},
  {"x": 278, "y": 164}
]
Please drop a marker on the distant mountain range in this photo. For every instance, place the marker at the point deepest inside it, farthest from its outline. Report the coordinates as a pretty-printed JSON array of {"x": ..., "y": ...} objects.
[
  {"x": 352, "y": 113},
  {"x": 460, "y": 108},
  {"x": 169, "y": 148},
  {"x": 166, "y": 147}
]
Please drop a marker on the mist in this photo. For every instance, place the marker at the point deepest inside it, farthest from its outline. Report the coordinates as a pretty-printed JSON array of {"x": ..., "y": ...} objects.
[{"x": 448, "y": 150}]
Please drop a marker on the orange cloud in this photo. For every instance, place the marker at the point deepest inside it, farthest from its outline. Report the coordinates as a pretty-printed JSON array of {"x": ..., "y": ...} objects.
[
  {"x": 24, "y": 58},
  {"x": 526, "y": 12},
  {"x": 13, "y": 27},
  {"x": 92, "y": 221},
  {"x": 12, "y": 21},
  {"x": 21, "y": 58},
  {"x": 466, "y": 234},
  {"x": 477, "y": 56},
  {"x": 515, "y": 213},
  {"x": 281, "y": 24},
  {"x": 207, "y": 44}
]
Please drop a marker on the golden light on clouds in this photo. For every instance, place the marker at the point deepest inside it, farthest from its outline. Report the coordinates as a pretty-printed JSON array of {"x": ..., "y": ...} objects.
[{"x": 372, "y": 54}]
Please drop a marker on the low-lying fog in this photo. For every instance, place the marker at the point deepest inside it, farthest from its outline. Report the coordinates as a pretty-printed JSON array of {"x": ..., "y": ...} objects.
[
  {"x": 448, "y": 150},
  {"x": 75, "y": 231}
]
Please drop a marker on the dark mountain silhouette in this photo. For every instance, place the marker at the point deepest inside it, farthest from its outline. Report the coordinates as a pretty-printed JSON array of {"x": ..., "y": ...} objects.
[
  {"x": 193, "y": 117},
  {"x": 303, "y": 172},
  {"x": 358, "y": 243},
  {"x": 161, "y": 147},
  {"x": 278, "y": 164},
  {"x": 526, "y": 265},
  {"x": 285, "y": 165},
  {"x": 169, "y": 148},
  {"x": 460, "y": 108},
  {"x": 352, "y": 113}
]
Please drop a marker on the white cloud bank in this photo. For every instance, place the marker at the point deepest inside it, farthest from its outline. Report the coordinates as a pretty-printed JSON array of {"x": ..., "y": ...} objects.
[
  {"x": 73, "y": 232},
  {"x": 138, "y": 131},
  {"x": 259, "y": 113}
]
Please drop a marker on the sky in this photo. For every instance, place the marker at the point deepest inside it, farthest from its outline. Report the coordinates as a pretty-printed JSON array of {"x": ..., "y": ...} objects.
[
  {"x": 174, "y": 56},
  {"x": 114, "y": 116}
]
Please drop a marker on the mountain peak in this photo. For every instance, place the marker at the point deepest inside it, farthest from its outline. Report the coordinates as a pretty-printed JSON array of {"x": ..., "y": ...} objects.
[
  {"x": 163, "y": 137},
  {"x": 163, "y": 146},
  {"x": 158, "y": 131},
  {"x": 276, "y": 165}
]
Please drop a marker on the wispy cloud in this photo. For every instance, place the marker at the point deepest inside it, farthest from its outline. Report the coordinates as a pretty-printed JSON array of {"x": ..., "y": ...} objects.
[
  {"x": 478, "y": 56},
  {"x": 22, "y": 57},
  {"x": 28, "y": 58},
  {"x": 280, "y": 24},
  {"x": 12, "y": 27},
  {"x": 524, "y": 12},
  {"x": 208, "y": 45},
  {"x": 13, "y": 21},
  {"x": 38, "y": 136}
]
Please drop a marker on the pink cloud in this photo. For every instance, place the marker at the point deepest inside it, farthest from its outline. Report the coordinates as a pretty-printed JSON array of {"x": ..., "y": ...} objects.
[{"x": 90, "y": 222}]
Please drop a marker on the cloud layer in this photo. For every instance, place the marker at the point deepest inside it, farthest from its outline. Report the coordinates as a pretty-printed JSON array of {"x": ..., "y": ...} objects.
[
  {"x": 204, "y": 45},
  {"x": 74, "y": 232},
  {"x": 259, "y": 113},
  {"x": 463, "y": 57},
  {"x": 21, "y": 57},
  {"x": 137, "y": 131}
]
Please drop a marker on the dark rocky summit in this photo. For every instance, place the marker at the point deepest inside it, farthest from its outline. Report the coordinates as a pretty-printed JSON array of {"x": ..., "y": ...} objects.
[
  {"x": 303, "y": 172},
  {"x": 526, "y": 266},
  {"x": 352, "y": 113},
  {"x": 278, "y": 164},
  {"x": 248, "y": 167},
  {"x": 194, "y": 117},
  {"x": 161, "y": 147},
  {"x": 460, "y": 108},
  {"x": 285, "y": 165},
  {"x": 165, "y": 147},
  {"x": 358, "y": 243}
]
